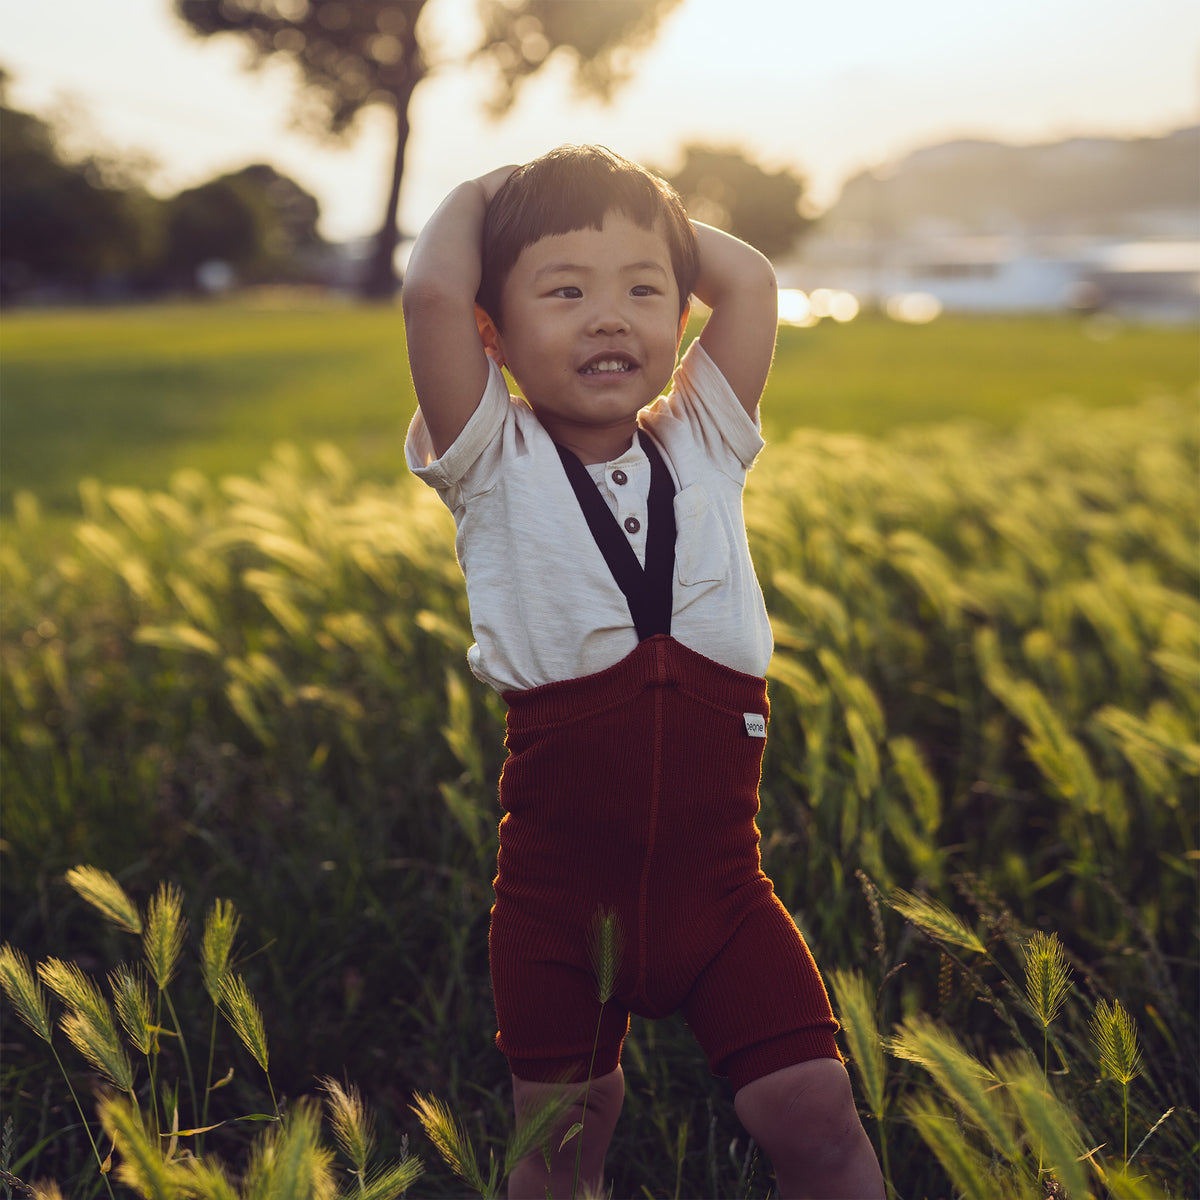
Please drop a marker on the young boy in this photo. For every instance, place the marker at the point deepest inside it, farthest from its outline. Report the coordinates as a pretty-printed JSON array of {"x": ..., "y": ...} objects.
[{"x": 615, "y": 608}]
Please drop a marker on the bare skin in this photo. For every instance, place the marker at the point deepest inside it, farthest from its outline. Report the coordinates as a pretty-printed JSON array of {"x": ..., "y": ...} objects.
[
  {"x": 803, "y": 1117},
  {"x": 605, "y": 1097}
]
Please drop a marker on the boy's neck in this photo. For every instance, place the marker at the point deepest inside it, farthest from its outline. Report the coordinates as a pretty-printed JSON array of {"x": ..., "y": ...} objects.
[{"x": 593, "y": 445}]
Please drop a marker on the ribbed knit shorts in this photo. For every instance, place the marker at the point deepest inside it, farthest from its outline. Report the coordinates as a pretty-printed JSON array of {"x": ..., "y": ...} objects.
[{"x": 635, "y": 792}]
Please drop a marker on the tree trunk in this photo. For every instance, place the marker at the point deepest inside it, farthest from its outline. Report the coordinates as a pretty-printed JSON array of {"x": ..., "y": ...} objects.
[{"x": 379, "y": 279}]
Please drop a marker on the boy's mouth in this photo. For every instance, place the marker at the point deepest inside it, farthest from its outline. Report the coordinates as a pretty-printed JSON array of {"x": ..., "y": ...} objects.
[{"x": 608, "y": 364}]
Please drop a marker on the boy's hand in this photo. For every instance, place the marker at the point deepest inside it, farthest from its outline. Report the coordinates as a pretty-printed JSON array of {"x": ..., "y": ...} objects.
[
  {"x": 445, "y": 354},
  {"x": 738, "y": 284},
  {"x": 493, "y": 181}
]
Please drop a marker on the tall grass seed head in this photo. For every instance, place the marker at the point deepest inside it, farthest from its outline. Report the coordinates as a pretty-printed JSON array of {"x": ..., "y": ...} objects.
[
  {"x": 131, "y": 995},
  {"x": 352, "y": 1124},
  {"x": 95, "y": 1037},
  {"x": 605, "y": 947},
  {"x": 220, "y": 929},
  {"x": 449, "y": 1139},
  {"x": 104, "y": 893},
  {"x": 936, "y": 920},
  {"x": 24, "y": 992},
  {"x": 1047, "y": 976},
  {"x": 1115, "y": 1037},
  {"x": 72, "y": 986},
  {"x": 165, "y": 929},
  {"x": 245, "y": 1017}
]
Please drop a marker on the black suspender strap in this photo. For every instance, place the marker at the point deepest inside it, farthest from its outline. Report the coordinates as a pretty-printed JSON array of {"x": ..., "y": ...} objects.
[{"x": 649, "y": 591}]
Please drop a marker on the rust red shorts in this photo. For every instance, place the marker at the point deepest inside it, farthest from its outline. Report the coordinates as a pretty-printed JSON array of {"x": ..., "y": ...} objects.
[{"x": 636, "y": 791}]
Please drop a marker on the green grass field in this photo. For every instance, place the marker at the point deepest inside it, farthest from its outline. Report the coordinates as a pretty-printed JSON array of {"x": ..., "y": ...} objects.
[
  {"x": 131, "y": 395},
  {"x": 983, "y": 756}
]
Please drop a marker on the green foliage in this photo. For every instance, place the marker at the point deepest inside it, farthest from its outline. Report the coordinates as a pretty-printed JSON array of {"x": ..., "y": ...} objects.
[
  {"x": 130, "y": 396},
  {"x": 66, "y": 224},
  {"x": 289, "y": 1160},
  {"x": 984, "y": 700}
]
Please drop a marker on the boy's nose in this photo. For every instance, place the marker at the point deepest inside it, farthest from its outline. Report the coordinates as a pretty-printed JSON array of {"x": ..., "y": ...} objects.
[
  {"x": 608, "y": 315},
  {"x": 608, "y": 319}
]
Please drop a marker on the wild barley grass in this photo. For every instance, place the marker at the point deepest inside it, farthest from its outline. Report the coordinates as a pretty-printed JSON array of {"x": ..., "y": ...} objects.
[
  {"x": 95, "y": 1037},
  {"x": 605, "y": 946},
  {"x": 1047, "y": 983},
  {"x": 353, "y": 1126},
  {"x": 1044, "y": 1118},
  {"x": 103, "y": 892},
  {"x": 936, "y": 919},
  {"x": 986, "y": 671},
  {"x": 961, "y": 1077},
  {"x": 142, "y": 1166},
  {"x": 856, "y": 1014},
  {"x": 164, "y": 933},
  {"x": 246, "y": 1018},
  {"x": 969, "y": 1170},
  {"x": 220, "y": 932},
  {"x": 24, "y": 992},
  {"x": 72, "y": 986},
  {"x": 288, "y": 1161},
  {"x": 450, "y": 1141},
  {"x": 131, "y": 994},
  {"x": 1120, "y": 1057},
  {"x": 533, "y": 1133}
]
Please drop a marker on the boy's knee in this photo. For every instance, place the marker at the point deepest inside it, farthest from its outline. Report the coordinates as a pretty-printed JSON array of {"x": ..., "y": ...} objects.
[
  {"x": 806, "y": 1110},
  {"x": 605, "y": 1097}
]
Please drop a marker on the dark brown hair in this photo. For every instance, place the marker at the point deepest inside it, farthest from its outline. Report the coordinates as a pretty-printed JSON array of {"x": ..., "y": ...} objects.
[{"x": 574, "y": 187}]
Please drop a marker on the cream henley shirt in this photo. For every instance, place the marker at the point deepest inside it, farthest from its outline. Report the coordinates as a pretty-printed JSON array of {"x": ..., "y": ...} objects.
[{"x": 544, "y": 605}]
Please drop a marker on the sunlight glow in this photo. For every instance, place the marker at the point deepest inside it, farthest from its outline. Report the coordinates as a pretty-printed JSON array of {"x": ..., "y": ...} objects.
[
  {"x": 913, "y": 308},
  {"x": 794, "y": 308},
  {"x": 805, "y": 311},
  {"x": 843, "y": 307}
]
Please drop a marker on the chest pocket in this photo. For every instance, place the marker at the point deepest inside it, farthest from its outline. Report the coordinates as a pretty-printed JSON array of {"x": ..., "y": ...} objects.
[{"x": 701, "y": 546}]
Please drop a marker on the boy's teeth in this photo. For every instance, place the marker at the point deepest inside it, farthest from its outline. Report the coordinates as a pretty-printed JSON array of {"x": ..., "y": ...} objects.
[{"x": 606, "y": 364}]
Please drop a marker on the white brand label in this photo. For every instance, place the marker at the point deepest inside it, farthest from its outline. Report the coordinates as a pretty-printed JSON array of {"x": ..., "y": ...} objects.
[{"x": 756, "y": 724}]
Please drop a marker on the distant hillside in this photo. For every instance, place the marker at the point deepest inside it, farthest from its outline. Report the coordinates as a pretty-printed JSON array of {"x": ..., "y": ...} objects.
[{"x": 1138, "y": 187}]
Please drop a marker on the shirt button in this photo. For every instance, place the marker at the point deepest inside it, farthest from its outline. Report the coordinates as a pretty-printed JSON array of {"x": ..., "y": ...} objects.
[
  {"x": 632, "y": 524},
  {"x": 619, "y": 478}
]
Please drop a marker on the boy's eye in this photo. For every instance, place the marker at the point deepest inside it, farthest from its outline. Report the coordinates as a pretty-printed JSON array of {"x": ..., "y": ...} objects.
[
  {"x": 567, "y": 293},
  {"x": 644, "y": 289}
]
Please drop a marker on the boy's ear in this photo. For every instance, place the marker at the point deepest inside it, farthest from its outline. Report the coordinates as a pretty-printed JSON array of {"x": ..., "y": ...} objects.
[{"x": 490, "y": 336}]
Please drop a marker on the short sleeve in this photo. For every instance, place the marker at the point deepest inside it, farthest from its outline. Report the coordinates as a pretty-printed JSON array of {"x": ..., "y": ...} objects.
[
  {"x": 702, "y": 403},
  {"x": 479, "y": 432}
]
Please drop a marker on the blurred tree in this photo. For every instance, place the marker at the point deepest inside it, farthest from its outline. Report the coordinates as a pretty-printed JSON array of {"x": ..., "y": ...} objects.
[
  {"x": 259, "y": 222},
  {"x": 209, "y": 223},
  {"x": 357, "y": 53},
  {"x": 65, "y": 226},
  {"x": 724, "y": 188}
]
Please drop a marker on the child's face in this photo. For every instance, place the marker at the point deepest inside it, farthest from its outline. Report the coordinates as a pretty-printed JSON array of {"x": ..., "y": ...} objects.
[{"x": 591, "y": 328}]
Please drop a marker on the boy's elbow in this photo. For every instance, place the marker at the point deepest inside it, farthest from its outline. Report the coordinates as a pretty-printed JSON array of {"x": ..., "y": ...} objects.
[{"x": 764, "y": 273}]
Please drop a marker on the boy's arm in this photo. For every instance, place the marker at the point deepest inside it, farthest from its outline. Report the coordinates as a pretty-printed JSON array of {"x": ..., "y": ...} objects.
[
  {"x": 738, "y": 284},
  {"x": 445, "y": 354}
]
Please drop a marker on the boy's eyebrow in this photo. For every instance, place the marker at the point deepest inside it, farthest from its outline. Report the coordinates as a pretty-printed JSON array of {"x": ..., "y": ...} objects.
[
  {"x": 647, "y": 265},
  {"x": 559, "y": 268},
  {"x": 566, "y": 268}
]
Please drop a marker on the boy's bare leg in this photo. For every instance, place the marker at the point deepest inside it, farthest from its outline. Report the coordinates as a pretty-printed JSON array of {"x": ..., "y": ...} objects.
[
  {"x": 530, "y": 1181},
  {"x": 805, "y": 1120}
]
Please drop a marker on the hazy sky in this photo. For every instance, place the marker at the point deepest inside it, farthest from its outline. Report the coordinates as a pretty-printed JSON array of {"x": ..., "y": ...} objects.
[{"x": 824, "y": 88}]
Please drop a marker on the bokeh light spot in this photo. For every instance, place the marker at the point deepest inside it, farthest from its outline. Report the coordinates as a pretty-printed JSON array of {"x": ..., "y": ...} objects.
[
  {"x": 914, "y": 308},
  {"x": 794, "y": 308}
]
